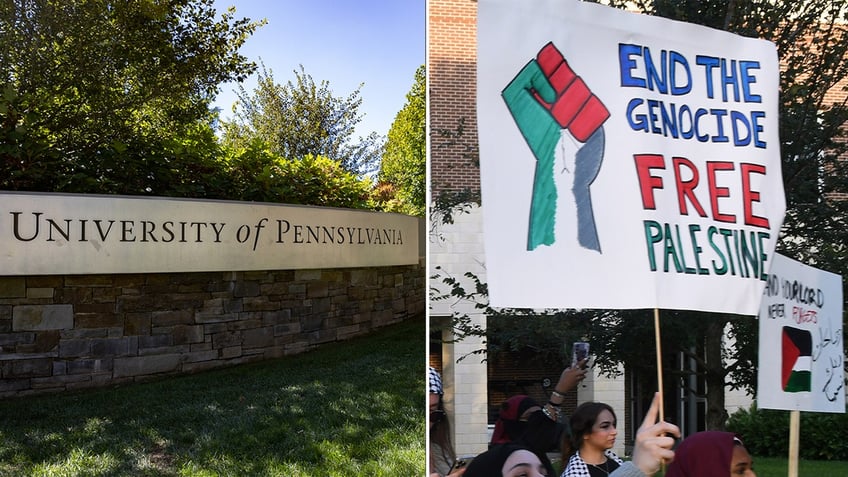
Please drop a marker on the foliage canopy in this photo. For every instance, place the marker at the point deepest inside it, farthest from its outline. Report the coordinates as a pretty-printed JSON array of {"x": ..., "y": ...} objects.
[
  {"x": 300, "y": 118},
  {"x": 404, "y": 159},
  {"x": 99, "y": 96},
  {"x": 255, "y": 173},
  {"x": 114, "y": 98}
]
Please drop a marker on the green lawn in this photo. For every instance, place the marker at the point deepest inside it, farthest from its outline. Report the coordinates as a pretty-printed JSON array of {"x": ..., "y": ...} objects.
[
  {"x": 353, "y": 408},
  {"x": 773, "y": 467}
]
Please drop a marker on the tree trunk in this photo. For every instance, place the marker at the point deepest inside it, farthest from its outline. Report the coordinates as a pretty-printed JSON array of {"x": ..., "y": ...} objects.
[{"x": 715, "y": 373}]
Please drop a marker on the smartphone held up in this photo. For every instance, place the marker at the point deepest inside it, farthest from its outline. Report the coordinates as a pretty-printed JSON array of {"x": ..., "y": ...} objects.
[{"x": 579, "y": 352}]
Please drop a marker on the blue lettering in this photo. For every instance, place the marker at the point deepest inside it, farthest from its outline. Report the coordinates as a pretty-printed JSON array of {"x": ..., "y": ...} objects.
[
  {"x": 698, "y": 114},
  {"x": 719, "y": 114},
  {"x": 676, "y": 59},
  {"x": 748, "y": 79},
  {"x": 728, "y": 78},
  {"x": 627, "y": 64},
  {"x": 708, "y": 62},
  {"x": 651, "y": 72},
  {"x": 737, "y": 118},
  {"x": 653, "y": 104},
  {"x": 758, "y": 128},
  {"x": 686, "y": 133},
  {"x": 638, "y": 122}
]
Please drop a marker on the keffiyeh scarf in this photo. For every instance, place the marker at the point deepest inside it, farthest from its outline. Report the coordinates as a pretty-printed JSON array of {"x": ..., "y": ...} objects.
[
  {"x": 435, "y": 382},
  {"x": 577, "y": 467}
]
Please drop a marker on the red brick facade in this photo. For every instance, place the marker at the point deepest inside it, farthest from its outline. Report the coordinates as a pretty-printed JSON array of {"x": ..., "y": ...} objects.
[
  {"x": 452, "y": 77},
  {"x": 839, "y": 95}
]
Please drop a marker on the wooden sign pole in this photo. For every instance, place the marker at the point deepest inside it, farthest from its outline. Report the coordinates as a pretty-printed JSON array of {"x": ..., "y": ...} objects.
[
  {"x": 659, "y": 362},
  {"x": 794, "y": 441},
  {"x": 659, "y": 372}
]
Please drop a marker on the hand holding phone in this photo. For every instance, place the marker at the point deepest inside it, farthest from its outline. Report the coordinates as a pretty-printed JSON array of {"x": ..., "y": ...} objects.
[{"x": 580, "y": 351}]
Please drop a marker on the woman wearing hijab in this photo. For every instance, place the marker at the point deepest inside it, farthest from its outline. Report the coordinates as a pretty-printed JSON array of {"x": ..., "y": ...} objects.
[
  {"x": 653, "y": 446},
  {"x": 510, "y": 460},
  {"x": 518, "y": 414},
  {"x": 442, "y": 455},
  {"x": 522, "y": 419},
  {"x": 711, "y": 454},
  {"x": 593, "y": 434}
]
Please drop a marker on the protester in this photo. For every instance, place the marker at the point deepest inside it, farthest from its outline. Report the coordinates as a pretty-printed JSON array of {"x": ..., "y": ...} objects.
[
  {"x": 513, "y": 418},
  {"x": 711, "y": 454},
  {"x": 652, "y": 448},
  {"x": 442, "y": 454},
  {"x": 510, "y": 460},
  {"x": 593, "y": 434},
  {"x": 523, "y": 420}
]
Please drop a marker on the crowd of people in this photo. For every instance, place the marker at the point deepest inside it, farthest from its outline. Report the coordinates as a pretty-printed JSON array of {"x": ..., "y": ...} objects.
[{"x": 526, "y": 431}]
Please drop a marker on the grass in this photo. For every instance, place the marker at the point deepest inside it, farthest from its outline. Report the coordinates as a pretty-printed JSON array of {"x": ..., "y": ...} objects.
[
  {"x": 352, "y": 408},
  {"x": 775, "y": 467}
]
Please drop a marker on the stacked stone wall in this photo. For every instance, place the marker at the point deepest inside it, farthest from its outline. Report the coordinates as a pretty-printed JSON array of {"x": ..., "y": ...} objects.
[{"x": 60, "y": 333}]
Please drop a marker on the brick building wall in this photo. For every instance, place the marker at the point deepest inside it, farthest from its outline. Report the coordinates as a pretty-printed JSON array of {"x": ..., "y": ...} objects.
[
  {"x": 839, "y": 95},
  {"x": 452, "y": 85},
  {"x": 457, "y": 248},
  {"x": 60, "y": 333}
]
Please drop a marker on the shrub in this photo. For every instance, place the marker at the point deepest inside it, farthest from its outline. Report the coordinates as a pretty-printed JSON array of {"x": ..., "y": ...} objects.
[
  {"x": 258, "y": 174},
  {"x": 766, "y": 433}
]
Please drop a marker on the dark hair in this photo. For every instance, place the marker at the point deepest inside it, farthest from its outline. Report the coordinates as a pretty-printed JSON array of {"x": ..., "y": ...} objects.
[
  {"x": 440, "y": 435},
  {"x": 491, "y": 462},
  {"x": 582, "y": 421}
]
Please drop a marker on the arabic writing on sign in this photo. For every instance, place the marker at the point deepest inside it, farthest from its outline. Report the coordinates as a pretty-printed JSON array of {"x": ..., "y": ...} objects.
[
  {"x": 828, "y": 337},
  {"x": 828, "y": 344},
  {"x": 832, "y": 387}
]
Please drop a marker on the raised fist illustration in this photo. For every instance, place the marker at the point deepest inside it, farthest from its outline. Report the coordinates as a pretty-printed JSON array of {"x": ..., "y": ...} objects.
[{"x": 545, "y": 98}]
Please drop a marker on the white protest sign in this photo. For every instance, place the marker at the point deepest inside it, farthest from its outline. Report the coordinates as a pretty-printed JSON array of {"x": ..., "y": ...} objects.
[
  {"x": 627, "y": 161},
  {"x": 801, "y": 341}
]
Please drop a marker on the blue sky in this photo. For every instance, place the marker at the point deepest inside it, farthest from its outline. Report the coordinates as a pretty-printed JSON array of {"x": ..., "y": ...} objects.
[{"x": 376, "y": 42}]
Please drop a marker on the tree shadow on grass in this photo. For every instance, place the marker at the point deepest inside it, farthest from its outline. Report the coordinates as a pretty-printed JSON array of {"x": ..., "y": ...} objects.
[{"x": 341, "y": 410}]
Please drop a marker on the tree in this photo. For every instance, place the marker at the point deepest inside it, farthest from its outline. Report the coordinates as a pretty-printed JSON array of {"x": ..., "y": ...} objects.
[
  {"x": 258, "y": 174},
  {"x": 102, "y": 96},
  {"x": 302, "y": 118},
  {"x": 404, "y": 159}
]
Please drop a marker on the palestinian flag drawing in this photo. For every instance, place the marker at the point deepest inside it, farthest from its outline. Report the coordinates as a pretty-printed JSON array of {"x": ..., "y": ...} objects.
[{"x": 797, "y": 365}]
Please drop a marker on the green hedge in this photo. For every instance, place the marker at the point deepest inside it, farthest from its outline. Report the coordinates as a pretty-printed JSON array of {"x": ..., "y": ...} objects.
[{"x": 766, "y": 433}]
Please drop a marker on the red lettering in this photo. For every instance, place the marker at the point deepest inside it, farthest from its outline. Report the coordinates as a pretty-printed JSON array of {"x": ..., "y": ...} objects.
[
  {"x": 749, "y": 196},
  {"x": 687, "y": 179},
  {"x": 801, "y": 315},
  {"x": 647, "y": 182},
  {"x": 717, "y": 192},
  {"x": 686, "y": 188}
]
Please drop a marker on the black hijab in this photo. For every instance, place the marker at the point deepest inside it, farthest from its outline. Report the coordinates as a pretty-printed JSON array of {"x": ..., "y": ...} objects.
[{"x": 491, "y": 462}]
